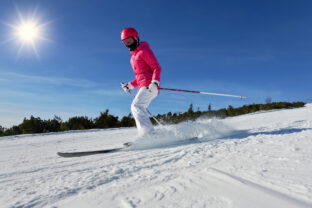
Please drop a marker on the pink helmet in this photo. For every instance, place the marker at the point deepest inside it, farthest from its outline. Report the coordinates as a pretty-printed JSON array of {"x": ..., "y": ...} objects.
[{"x": 129, "y": 32}]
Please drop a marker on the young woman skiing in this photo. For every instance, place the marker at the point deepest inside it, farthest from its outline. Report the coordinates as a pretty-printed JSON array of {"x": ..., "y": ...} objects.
[{"x": 147, "y": 78}]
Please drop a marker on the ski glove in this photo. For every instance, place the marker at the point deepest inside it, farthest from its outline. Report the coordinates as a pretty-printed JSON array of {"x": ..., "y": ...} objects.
[
  {"x": 127, "y": 86},
  {"x": 154, "y": 86}
]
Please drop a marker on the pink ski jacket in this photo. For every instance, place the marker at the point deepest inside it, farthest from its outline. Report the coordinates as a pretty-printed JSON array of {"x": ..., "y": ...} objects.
[{"x": 145, "y": 66}]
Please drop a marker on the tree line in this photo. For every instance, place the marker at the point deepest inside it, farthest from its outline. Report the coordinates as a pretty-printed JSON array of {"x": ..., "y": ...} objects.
[
  {"x": 190, "y": 114},
  {"x": 37, "y": 125},
  {"x": 106, "y": 120}
]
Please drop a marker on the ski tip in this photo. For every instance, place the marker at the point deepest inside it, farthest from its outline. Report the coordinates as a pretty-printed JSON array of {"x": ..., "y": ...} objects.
[{"x": 62, "y": 154}]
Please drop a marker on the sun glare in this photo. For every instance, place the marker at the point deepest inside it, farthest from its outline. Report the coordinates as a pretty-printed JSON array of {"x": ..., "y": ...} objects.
[{"x": 28, "y": 31}]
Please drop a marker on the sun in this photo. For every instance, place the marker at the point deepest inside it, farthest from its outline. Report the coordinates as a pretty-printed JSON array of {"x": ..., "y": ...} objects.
[{"x": 28, "y": 32}]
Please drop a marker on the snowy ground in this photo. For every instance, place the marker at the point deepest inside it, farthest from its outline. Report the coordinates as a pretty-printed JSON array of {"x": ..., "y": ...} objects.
[{"x": 257, "y": 160}]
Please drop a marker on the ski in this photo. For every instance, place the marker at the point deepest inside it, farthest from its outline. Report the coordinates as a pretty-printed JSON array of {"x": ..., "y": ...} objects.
[
  {"x": 125, "y": 145},
  {"x": 87, "y": 153}
]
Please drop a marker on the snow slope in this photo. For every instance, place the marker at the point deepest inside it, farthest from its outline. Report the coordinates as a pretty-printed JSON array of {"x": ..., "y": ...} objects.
[{"x": 257, "y": 160}]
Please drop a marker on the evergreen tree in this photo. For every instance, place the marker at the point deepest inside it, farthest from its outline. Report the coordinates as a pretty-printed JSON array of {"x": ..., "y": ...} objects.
[
  {"x": 209, "y": 107},
  {"x": 15, "y": 130},
  {"x": 106, "y": 120},
  {"x": 77, "y": 123},
  {"x": 230, "y": 111},
  {"x": 2, "y": 130},
  {"x": 31, "y": 126},
  {"x": 127, "y": 121},
  {"x": 190, "y": 110},
  {"x": 53, "y": 125}
]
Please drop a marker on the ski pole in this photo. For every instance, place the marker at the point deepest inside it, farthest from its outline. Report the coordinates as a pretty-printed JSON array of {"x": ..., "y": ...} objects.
[
  {"x": 206, "y": 93},
  {"x": 147, "y": 110}
]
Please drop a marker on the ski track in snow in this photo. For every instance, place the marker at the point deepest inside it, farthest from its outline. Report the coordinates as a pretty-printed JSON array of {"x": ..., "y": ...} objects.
[{"x": 260, "y": 160}]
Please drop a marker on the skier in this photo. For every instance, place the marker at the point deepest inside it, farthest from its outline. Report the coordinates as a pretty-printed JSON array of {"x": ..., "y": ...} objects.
[{"x": 147, "y": 77}]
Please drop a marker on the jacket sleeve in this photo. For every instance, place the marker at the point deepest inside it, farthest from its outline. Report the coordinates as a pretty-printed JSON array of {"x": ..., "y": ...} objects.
[
  {"x": 134, "y": 83},
  {"x": 151, "y": 60}
]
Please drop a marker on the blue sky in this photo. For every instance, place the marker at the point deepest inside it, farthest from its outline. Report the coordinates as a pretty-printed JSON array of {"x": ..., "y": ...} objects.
[{"x": 254, "y": 48}]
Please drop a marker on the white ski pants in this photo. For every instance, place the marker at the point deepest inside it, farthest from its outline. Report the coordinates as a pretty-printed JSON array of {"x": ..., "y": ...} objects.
[{"x": 139, "y": 110}]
